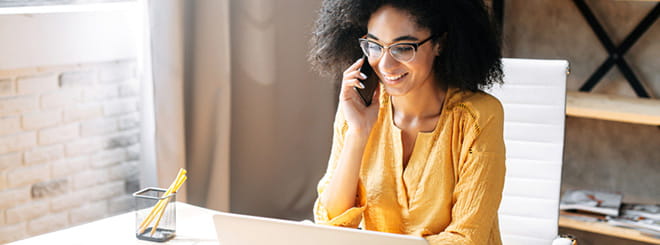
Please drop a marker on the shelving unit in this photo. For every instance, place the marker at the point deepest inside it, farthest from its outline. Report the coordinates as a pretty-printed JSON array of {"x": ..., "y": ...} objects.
[
  {"x": 606, "y": 229},
  {"x": 613, "y": 108}
]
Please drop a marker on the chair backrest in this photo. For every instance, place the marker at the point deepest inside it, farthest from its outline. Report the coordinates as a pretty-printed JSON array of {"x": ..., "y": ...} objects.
[{"x": 534, "y": 101}]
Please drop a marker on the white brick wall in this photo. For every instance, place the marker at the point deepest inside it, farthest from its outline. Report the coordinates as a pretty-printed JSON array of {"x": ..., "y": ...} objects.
[
  {"x": 84, "y": 146},
  {"x": 120, "y": 107},
  {"x": 10, "y": 160},
  {"x": 3, "y": 180},
  {"x": 61, "y": 98},
  {"x": 82, "y": 112},
  {"x": 41, "y": 119},
  {"x": 16, "y": 105},
  {"x": 123, "y": 170},
  {"x": 69, "y": 146},
  {"x": 69, "y": 200},
  {"x": 108, "y": 158},
  {"x": 107, "y": 191},
  {"x": 26, "y": 212},
  {"x": 130, "y": 121},
  {"x": 99, "y": 126},
  {"x": 129, "y": 89},
  {"x": 89, "y": 212},
  {"x": 121, "y": 203},
  {"x": 58, "y": 134},
  {"x": 10, "y": 125},
  {"x": 90, "y": 178},
  {"x": 10, "y": 233},
  {"x": 67, "y": 166},
  {"x": 77, "y": 78},
  {"x": 6, "y": 87},
  {"x": 116, "y": 73},
  {"x": 36, "y": 84},
  {"x": 48, "y": 223},
  {"x": 44, "y": 154},
  {"x": 28, "y": 175},
  {"x": 17, "y": 142},
  {"x": 100, "y": 93},
  {"x": 14, "y": 197}
]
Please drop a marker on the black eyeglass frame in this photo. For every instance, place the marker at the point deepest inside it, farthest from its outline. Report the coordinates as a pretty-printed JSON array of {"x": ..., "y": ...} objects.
[{"x": 388, "y": 47}]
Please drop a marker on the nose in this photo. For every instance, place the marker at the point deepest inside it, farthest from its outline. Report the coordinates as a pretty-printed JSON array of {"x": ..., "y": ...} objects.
[{"x": 387, "y": 62}]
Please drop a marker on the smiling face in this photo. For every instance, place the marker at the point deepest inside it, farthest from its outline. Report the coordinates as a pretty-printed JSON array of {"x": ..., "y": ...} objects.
[{"x": 388, "y": 26}]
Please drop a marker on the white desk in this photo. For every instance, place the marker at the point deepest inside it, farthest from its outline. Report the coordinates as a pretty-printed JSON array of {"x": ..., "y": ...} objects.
[{"x": 194, "y": 225}]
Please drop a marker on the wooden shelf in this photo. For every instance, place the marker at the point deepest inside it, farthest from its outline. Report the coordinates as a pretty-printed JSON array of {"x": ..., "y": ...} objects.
[
  {"x": 606, "y": 229},
  {"x": 613, "y": 108}
]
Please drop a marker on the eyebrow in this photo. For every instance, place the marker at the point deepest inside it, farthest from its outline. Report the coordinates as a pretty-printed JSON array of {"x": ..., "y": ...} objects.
[{"x": 401, "y": 38}]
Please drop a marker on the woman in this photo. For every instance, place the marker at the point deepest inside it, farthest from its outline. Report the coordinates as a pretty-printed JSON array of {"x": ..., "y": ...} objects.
[{"x": 426, "y": 157}]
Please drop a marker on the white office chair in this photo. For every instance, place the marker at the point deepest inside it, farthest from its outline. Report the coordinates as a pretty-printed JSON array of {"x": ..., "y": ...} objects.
[{"x": 534, "y": 100}]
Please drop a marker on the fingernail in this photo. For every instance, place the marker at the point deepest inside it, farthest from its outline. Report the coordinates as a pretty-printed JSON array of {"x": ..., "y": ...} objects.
[
  {"x": 363, "y": 76},
  {"x": 362, "y": 85}
]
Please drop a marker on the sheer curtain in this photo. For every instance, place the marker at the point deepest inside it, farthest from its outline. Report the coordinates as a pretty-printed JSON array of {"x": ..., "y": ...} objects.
[
  {"x": 186, "y": 109},
  {"x": 163, "y": 108},
  {"x": 236, "y": 104},
  {"x": 208, "y": 103}
]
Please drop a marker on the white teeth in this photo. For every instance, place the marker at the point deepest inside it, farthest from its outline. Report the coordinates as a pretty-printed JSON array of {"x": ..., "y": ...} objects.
[{"x": 392, "y": 78}]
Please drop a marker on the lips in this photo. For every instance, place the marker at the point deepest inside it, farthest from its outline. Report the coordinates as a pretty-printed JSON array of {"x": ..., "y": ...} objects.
[{"x": 392, "y": 79}]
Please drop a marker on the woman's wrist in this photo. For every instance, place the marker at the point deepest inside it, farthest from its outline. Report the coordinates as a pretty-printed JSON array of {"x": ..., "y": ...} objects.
[
  {"x": 356, "y": 139},
  {"x": 358, "y": 133}
]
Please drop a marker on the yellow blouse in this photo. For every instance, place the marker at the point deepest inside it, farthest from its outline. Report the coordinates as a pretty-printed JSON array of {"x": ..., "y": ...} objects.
[{"x": 450, "y": 190}]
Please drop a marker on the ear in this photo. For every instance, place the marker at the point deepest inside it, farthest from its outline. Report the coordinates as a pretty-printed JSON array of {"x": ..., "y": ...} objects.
[{"x": 437, "y": 48}]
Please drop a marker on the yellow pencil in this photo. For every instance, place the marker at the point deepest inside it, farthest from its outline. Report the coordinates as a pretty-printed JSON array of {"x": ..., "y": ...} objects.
[
  {"x": 162, "y": 203},
  {"x": 164, "y": 206}
]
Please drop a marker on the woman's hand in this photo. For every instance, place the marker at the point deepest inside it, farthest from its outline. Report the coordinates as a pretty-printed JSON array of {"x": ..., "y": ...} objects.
[{"x": 360, "y": 118}]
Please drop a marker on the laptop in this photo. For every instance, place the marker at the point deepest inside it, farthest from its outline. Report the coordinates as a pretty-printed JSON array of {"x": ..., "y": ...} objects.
[{"x": 237, "y": 229}]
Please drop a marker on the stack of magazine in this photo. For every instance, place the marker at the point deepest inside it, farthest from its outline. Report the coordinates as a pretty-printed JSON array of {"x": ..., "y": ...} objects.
[
  {"x": 596, "y": 202},
  {"x": 600, "y": 206}
]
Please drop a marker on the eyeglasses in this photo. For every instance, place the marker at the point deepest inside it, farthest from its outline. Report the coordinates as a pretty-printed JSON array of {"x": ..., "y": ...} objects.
[{"x": 402, "y": 52}]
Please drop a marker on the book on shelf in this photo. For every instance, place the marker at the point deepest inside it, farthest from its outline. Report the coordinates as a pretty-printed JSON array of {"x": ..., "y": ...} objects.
[
  {"x": 652, "y": 225},
  {"x": 642, "y": 217},
  {"x": 598, "y": 202},
  {"x": 647, "y": 227},
  {"x": 647, "y": 211},
  {"x": 607, "y": 207},
  {"x": 584, "y": 217}
]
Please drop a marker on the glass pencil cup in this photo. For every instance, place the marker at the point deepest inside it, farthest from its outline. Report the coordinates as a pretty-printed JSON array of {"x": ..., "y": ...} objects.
[{"x": 155, "y": 211}]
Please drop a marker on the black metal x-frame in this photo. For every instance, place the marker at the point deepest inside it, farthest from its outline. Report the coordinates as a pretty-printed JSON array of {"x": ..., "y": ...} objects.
[{"x": 616, "y": 53}]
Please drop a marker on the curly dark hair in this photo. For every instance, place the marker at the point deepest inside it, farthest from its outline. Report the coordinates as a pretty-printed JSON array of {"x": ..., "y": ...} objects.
[{"x": 471, "y": 55}]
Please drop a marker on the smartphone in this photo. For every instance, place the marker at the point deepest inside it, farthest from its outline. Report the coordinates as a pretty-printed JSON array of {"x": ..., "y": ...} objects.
[{"x": 370, "y": 84}]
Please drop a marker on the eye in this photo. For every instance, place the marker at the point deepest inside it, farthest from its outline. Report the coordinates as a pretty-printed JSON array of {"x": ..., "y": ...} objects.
[
  {"x": 403, "y": 49},
  {"x": 373, "y": 47}
]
